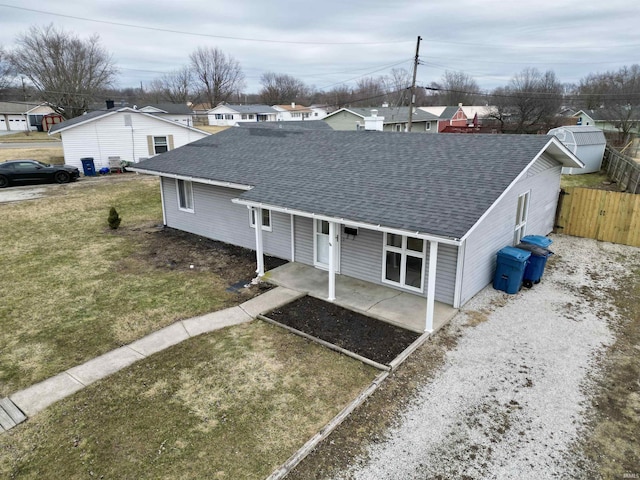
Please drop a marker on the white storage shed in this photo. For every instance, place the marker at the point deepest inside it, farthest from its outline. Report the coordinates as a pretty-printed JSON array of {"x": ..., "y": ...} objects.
[{"x": 585, "y": 142}]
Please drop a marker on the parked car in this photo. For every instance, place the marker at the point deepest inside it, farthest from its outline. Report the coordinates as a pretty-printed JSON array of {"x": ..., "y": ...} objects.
[{"x": 32, "y": 171}]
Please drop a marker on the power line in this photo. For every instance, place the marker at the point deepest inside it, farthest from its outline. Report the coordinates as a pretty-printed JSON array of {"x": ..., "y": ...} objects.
[{"x": 196, "y": 34}]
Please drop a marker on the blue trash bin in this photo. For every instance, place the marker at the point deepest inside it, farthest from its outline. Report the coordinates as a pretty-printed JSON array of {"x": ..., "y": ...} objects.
[
  {"x": 510, "y": 267},
  {"x": 88, "y": 167},
  {"x": 537, "y": 240},
  {"x": 535, "y": 268}
]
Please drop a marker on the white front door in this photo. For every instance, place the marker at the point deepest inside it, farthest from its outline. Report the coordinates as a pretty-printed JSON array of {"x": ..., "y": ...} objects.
[{"x": 321, "y": 245}]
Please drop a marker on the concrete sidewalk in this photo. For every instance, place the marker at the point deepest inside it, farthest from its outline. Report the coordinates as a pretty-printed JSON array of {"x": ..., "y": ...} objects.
[{"x": 33, "y": 399}]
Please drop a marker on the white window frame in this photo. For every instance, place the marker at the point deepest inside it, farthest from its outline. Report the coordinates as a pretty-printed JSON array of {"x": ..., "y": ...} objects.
[
  {"x": 188, "y": 195},
  {"x": 265, "y": 227},
  {"x": 522, "y": 215},
  {"x": 428, "y": 127},
  {"x": 404, "y": 253},
  {"x": 156, "y": 144}
]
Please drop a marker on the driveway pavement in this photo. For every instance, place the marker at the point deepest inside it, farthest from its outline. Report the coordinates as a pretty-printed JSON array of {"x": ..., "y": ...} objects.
[{"x": 511, "y": 397}]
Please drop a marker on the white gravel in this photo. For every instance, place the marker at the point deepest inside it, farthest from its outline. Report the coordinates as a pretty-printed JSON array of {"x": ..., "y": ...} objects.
[{"x": 510, "y": 399}]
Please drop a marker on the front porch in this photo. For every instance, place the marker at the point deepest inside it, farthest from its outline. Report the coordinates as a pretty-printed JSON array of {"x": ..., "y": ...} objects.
[{"x": 383, "y": 303}]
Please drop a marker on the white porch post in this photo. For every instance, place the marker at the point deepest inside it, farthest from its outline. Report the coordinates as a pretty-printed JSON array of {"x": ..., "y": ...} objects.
[
  {"x": 431, "y": 285},
  {"x": 257, "y": 212},
  {"x": 332, "y": 262}
]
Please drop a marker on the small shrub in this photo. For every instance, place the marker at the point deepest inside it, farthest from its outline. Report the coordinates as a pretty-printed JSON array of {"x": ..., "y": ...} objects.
[{"x": 114, "y": 219}]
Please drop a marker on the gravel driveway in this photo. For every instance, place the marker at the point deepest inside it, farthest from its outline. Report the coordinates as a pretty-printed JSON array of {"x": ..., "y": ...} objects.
[{"x": 511, "y": 397}]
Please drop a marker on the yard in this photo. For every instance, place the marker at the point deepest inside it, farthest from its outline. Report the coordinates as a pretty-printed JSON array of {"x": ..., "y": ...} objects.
[
  {"x": 235, "y": 403},
  {"x": 78, "y": 289}
]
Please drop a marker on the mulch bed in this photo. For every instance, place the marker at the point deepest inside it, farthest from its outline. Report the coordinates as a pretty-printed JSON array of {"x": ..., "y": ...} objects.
[{"x": 370, "y": 338}]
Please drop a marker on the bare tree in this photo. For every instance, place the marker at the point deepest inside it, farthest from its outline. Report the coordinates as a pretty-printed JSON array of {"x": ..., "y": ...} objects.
[
  {"x": 397, "y": 85},
  {"x": 173, "y": 87},
  {"x": 67, "y": 72},
  {"x": 219, "y": 76},
  {"x": 6, "y": 71},
  {"x": 457, "y": 87},
  {"x": 616, "y": 95},
  {"x": 280, "y": 89},
  {"x": 338, "y": 97},
  {"x": 369, "y": 92},
  {"x": 530, "y": 101}
]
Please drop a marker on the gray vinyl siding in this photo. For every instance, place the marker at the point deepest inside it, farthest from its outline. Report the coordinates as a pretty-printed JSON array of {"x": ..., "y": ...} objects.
[
  {"x": 445, "y": 273},
  {"x": 303, "y": 228},
  {"x": 361, "y": 256},
  {"x": 216, "y": 217},
  {"x": 497, "y": 229}
]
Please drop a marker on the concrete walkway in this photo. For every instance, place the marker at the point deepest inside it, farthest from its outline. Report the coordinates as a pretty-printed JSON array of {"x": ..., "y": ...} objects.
[{"x": 36, "y": 398}]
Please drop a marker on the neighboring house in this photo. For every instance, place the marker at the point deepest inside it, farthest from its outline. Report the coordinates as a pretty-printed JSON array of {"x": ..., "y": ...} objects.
[
  {"x": 318, "y": 112},
  {"x": 586, "y": 143},
  {"x": 230, "y": 115},
  {"x": 395, "y": 119},
  {"x": 607, "y": 121},
  {"x": 117, "y": 134},
  {"x": 452, "y": 117},
  {"x": 423, "y": 214},
  {"x": 176, "y": 112},
  {"x": 293, "y": 112},
  {"x": 23, "y": 116}
]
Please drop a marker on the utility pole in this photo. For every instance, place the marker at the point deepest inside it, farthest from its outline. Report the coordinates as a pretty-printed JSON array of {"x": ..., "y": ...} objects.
[{"x": 413, "y": 85}]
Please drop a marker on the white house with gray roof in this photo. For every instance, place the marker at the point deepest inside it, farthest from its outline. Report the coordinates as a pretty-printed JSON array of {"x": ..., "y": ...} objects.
[
  {"x": 121, "y": 134},
  {"x": 230, "y": 115},
  {"x": 423, "y": 214}
]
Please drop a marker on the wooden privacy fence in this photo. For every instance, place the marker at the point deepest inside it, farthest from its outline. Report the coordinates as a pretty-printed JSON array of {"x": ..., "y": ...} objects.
[
  {"x": 607, "y": 216},
  {"x": 624, "y": 170}
]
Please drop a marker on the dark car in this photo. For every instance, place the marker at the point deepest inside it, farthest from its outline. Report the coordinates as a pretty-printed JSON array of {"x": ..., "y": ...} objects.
[{"x": 32, "y": 171}]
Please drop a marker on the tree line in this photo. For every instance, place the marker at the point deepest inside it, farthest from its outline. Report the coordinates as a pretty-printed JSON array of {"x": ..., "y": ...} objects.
[{"x": 72, "y": 73}]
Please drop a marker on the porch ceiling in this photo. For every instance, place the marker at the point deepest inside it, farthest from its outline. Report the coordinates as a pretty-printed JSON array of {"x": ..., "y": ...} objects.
[{"x": 405, "y": 310}]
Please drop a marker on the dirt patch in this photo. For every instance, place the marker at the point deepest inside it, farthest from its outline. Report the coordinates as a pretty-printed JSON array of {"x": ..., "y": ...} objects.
[
  {"x": 370, "y": 338},
  {"x": 611, "y": 441},
  {"x": 178, "y": 250}
]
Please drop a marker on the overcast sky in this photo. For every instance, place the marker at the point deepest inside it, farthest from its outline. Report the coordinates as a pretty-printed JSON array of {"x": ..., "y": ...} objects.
[{"x": 329, "y": 42}]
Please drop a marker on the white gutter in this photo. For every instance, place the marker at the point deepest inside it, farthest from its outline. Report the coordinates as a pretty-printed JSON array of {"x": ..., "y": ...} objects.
[
  {"x": 217, "y": 183},
  {"x": 351, "y": 223}
]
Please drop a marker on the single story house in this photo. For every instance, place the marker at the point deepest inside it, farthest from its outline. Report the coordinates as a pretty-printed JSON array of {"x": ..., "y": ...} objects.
[
  {"x": 609, "y": 121},
  {"x": 23, "y": 116},
  {"x": 586, "y": 143},
  {"x": 292, "y": 113},
  {"x": 176, "y": 112},
  {"x": 423, "y": 214},
  {"x": 395, "y": 119},
  {"x": 230, "y": 115},
  {"x": 121, "y": 134}
]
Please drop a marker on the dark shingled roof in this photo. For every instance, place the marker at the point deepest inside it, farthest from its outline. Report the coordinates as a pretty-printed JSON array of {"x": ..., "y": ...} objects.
[
  {"x": 82, "y": 118},
  {"x": 434, "y": 184}
]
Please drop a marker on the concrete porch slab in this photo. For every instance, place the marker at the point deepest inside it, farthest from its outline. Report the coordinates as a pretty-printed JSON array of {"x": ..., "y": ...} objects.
[{"x": 383, "y": 303}]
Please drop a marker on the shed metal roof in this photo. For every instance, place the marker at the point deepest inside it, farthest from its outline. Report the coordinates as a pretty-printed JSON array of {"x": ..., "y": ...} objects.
[
  {"x": 579, "y": 135},
  {"x": 433, "y": 184}
]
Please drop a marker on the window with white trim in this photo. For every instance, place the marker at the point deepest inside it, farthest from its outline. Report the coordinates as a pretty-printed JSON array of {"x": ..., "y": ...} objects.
[
  {"x": 266, "y": 219},
  {"x": 403, "y": 261},
  {"x": 428, "y": 127},
  {"x": 160, "y": 145},
  {"x": 522, "y": 212},
  {"x": 185, "y": 195}
]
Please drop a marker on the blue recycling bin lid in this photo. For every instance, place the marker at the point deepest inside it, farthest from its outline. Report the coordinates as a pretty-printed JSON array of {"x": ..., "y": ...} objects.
[
  {"x": 514, "y": 253},
  {"x": 537, "y": 240}
]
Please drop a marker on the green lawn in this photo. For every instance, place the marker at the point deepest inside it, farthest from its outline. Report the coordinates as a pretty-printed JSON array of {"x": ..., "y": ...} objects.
[
  {"x": 73, "y": 289},
  {"x": 232, "y": 404},
  {"x": 584, "y": 180}
]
